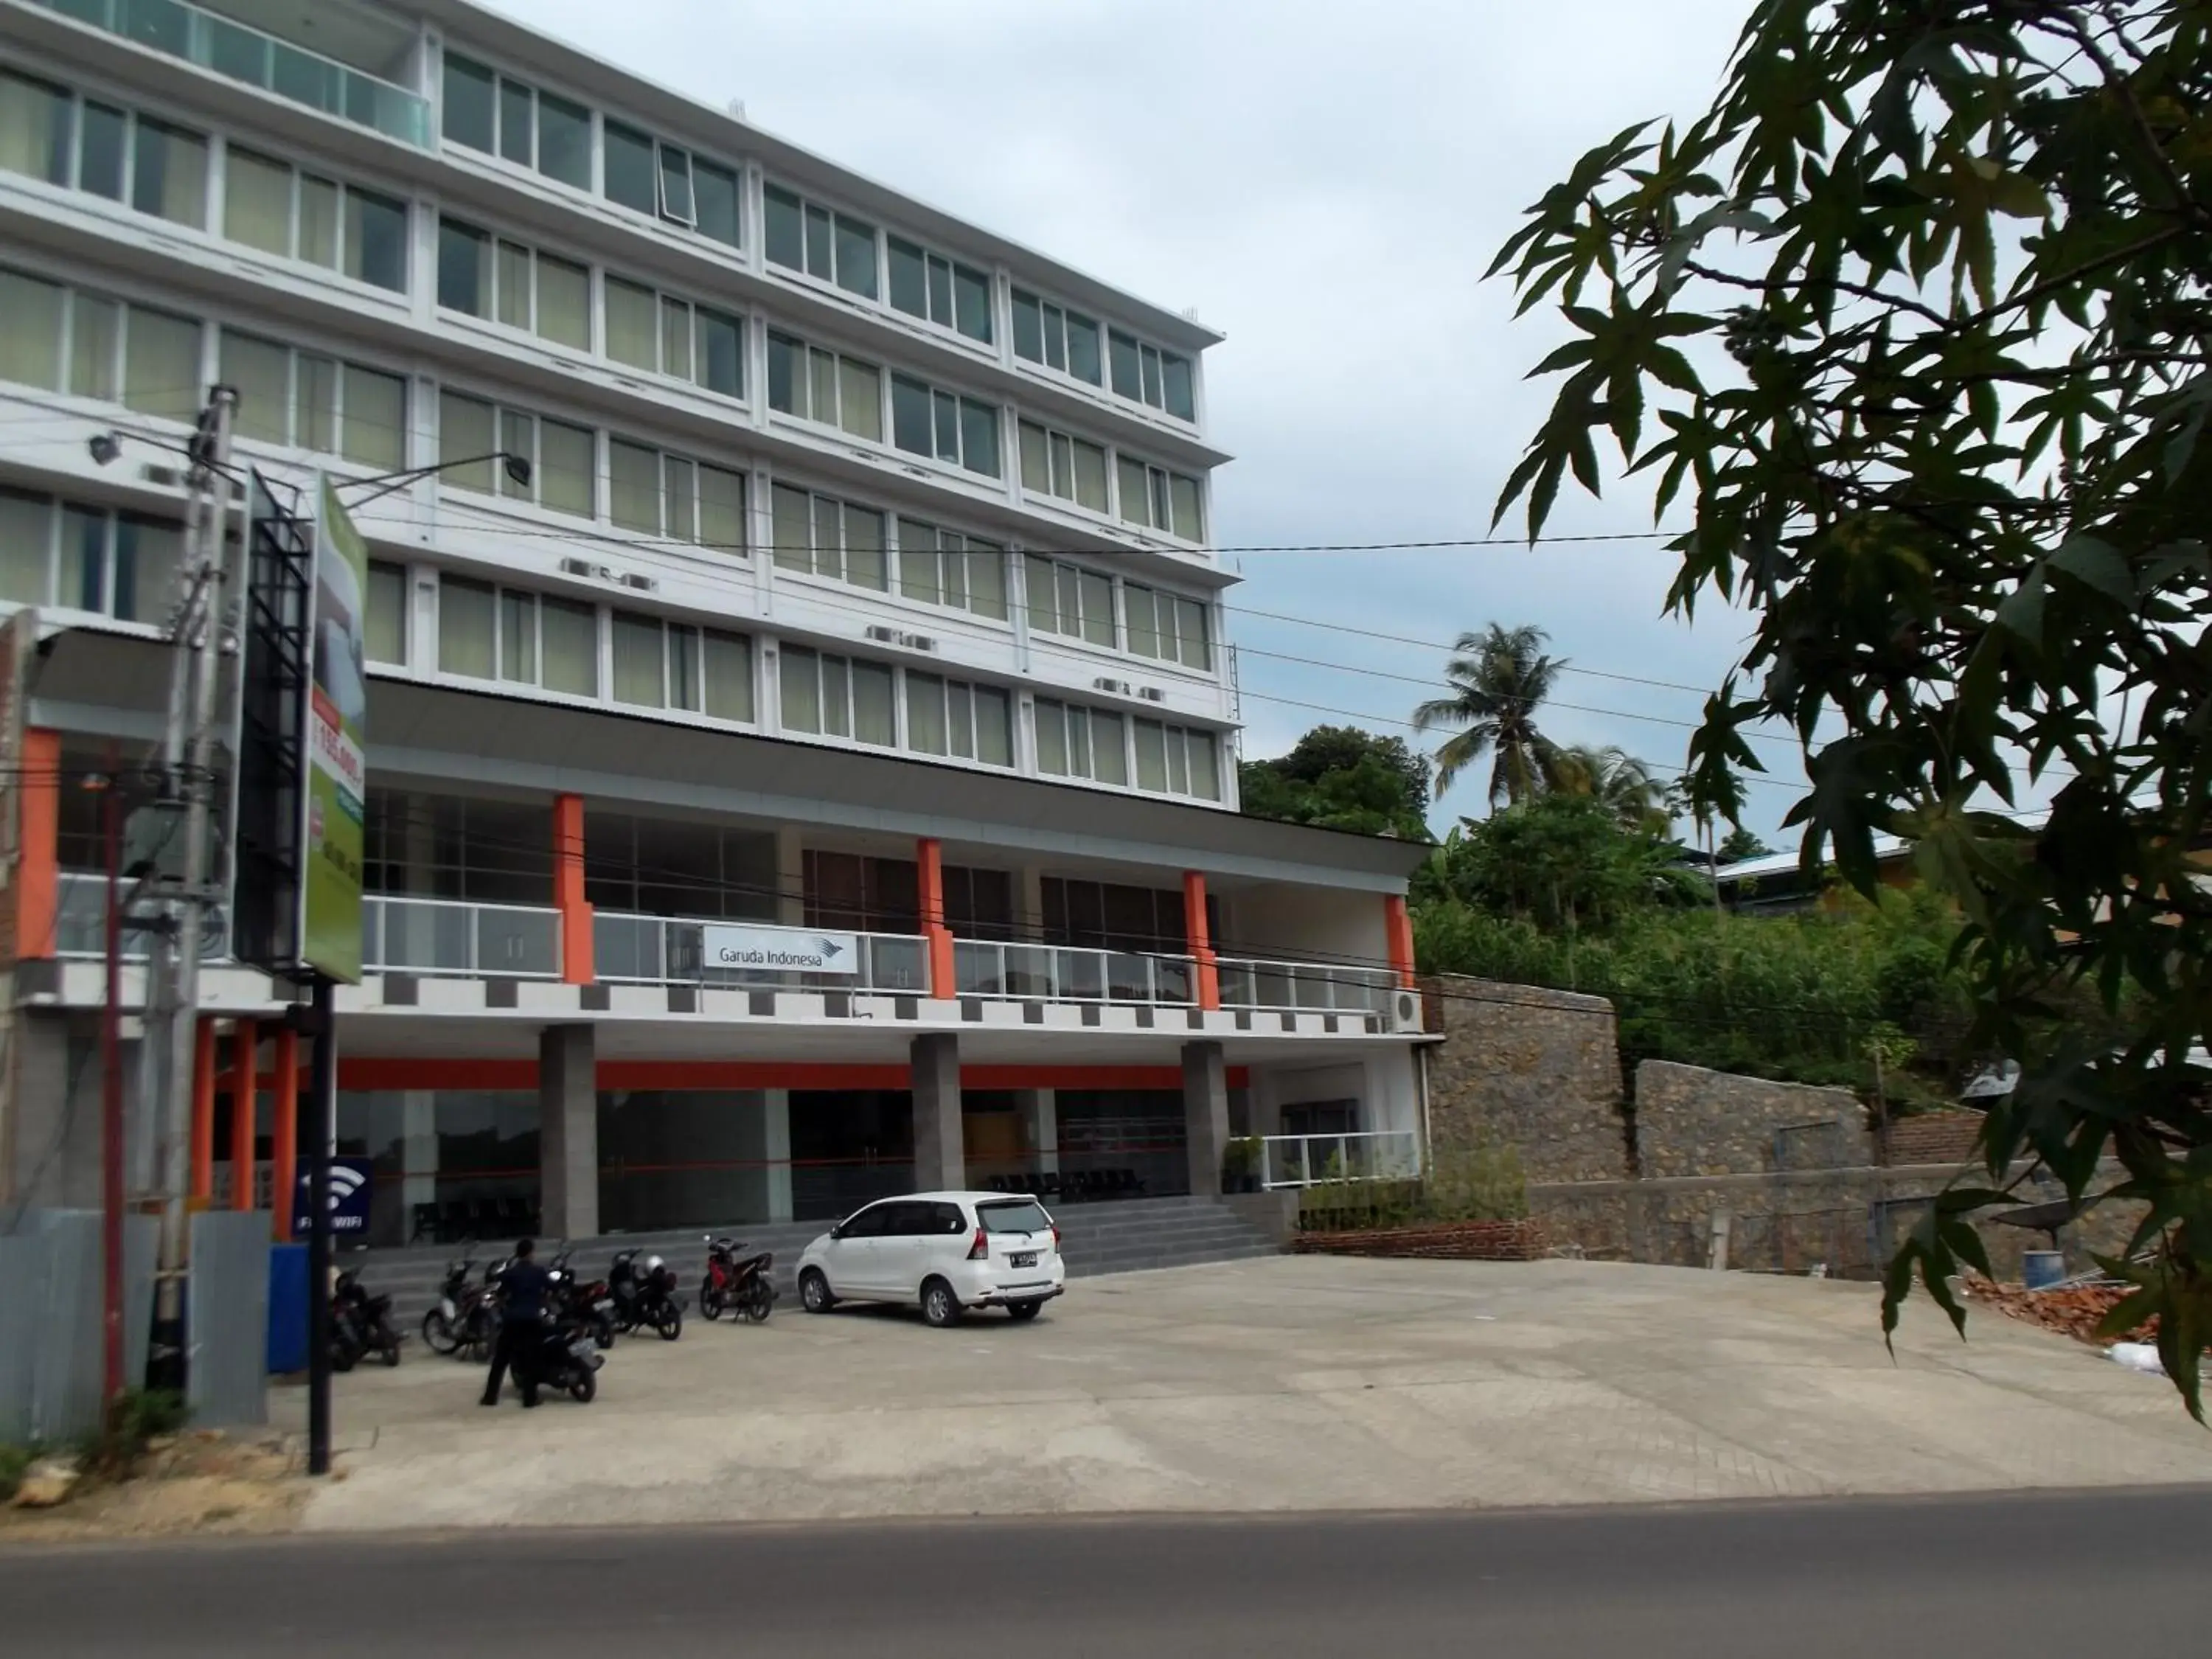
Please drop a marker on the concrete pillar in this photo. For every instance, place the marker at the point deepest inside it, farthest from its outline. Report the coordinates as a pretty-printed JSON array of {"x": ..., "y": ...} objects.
[
  {"x": 790, "y": 877},
  {"x": 568, "y": 1132},
  {"x": 1205, "y": 1114},
  {"x": 940, "y": 1154},
  {"x": 775, "y": 1107},
  {"x": 418, "y": 1143},
  {"x": 1040, "y": 1109}
]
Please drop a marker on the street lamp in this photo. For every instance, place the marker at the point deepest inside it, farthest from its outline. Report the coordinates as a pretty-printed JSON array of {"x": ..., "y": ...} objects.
[{"x": 517, "y": 468}]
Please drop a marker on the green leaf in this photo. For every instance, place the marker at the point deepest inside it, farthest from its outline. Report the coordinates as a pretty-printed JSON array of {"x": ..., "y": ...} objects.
[{"x": 2096, "y": 564}]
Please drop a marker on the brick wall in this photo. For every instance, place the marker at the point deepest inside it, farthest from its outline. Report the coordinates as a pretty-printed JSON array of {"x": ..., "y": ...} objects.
[
  {"x": 1935, "y": 1138},
  {"x": 1535, "y": 1070},
  {"x": 1691, "y": 1121}
]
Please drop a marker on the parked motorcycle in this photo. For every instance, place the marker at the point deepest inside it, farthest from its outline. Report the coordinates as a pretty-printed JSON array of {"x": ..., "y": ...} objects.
[
  {"x": 644, "y": 1294},
  {"x": 589, "y": 1302},
  {"x": 361, "y": 1325},
  {"x": 739, "y": 1286},
  {"x": 568, "y": 1358},
  {"x": 466, "y": 1316}
]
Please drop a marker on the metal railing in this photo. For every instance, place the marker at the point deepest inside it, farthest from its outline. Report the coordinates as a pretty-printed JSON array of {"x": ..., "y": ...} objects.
[
  {"x": 241, "y": 53},
  {"x": 1312, "y": 987},
  {"x": 80, "y": 923},
  {"x": 1355, "y": 1155},
  {"x": 1061, "y": 973},
  {"x": 638, "y": 950},
  {"x": 452, "y": 937}
]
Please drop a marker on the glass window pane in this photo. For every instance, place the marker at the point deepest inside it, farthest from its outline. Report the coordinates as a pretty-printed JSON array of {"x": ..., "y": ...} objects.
[
  {"x": 100, "y": 158},
  {"x": 376, "y": 241},
  {"x": 675, "y": 338},
  {"x": 466, "y": 620},
  {"x": 1083, "y": 349},
  {"x": 971, "y": 294},
  {"x": 925, "y": 714},
  {"x": 986, "y": 581},
  {"x": 1136, "y": 491},
  {"x": 818, "y": 242},
  {"x": 518, "y": 435},
  {"x": 873, "y": 718},
  {"x": 945, "y": 411},
  {"x": 856, "y": 257},
  {"x": 1122, "y": 349},
  {"x": 1063, "y": 465},
  {"x": 464, "y": 269},
  {"x": 315, "y": 401},
  {"x": 632, "y": 326},
  {"x": 512, "y": 288},
  {"x": 719, "y": 362},
  {"x": 684, "y": 668},
  {"x": 569, "y": 633},
  {"x": 1110, "y": 757},
  {"x": 168, "y": 173},
  {"x": 828, "y": 539},
  {"x": 918, "y": 561},
  {"x": 468, "y": 104},
  {"x": 1183, "y": 498},
  {"x": 37, "y": 130},
  {"x": 630, "y": 176},
  {"x": 147, "y": 553},
  {"x": 792, "y": 512},
  {"x": 516, "y": 126},
  {"x": 716, "y": 191},
  {"x": 262, "y": 374},
  {"x": 161, "y": 365},
  {"x": 821, "y": 385},
  {"x": 678, "y": 511},
  {"x": 565, "y": 467},
  {"x": 1051, "y": 737},
  {"x": 564, "y": 303},
  {"x": 801, "y": 688},
  {"x": 83, "y": 573},
  {"x": 1178, "y": 764},
  {"x": 30, "y": 331},
  {"x": 1098, "y": 608},
  {"x": 910, "y": 417},
  {"x": 786, "y": 236},
  {"x": 1039, "y": 589},
  {"x": 518, "y": 637},
  {"x": 1205, "y": 765},
  {"x": 465, "y": 430},
  {"x": 786, "y": 373},
  {"x": 1029, "y": 327},
  {"x": 940, "y": 291},
  {"x": 1079, "y": 743},
  {"x": 1190, "y": 635},
  {"x": 994, "y": 727},
  {"x": 861, "y": 399},
  {"x": 864, "y": 548},
  {"x": 634, "y": 490},
  {"x": 1056, "y": 337},
  {"x": 637, "y": 661},
  {"x": 1181, "y": 398},
  {"x": 1036, "y": 470},
  {"x": 1089, "y": 476},
  {"x": 960, "y": 720},
  {"x": 1141, "y": 619},
  {"x": 95, "y": 336},
  {"x": 1071, "y": 600},
  {"x": 375, "y": 429},
  {"x": 1152, "y": 365},
  {"x": 257, "y": 198},
  {"x": 1151, "y": 754},
  {"x": 729, "y": 670},
  {"x": 318, "y": 222},
  {"x": 909, "y": 286},
  {"x": 564, "y": 141},
  {"x": 979, "y": 437},
  {"x": 722, "y": 510},
  {"x": 836, "y": 698},
  {"x": 676, "y": 204},
  {"x": 385, "y": 633}
]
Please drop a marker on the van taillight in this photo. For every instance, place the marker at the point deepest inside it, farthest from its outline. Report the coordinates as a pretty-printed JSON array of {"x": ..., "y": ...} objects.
[
  {"x": 980, "y": 1250},
  {"x": 1056, "y": 1235}
]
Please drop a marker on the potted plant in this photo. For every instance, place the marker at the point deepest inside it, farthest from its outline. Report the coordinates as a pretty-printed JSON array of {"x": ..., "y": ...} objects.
[{"x": 1240, "y": 1164}]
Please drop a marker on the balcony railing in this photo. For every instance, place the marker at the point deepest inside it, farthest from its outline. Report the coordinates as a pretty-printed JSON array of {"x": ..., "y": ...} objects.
[
  {"x": 1313, "y": 987},
  {"x": 437, "y": 937},
  {"x": 244, "y": 53},
  {"x": 671, "y": 951},
  {"x": 1357, "y": 1155},
  {"x": 1059, "y": 973},
  {"x": 80, "y": 923}
]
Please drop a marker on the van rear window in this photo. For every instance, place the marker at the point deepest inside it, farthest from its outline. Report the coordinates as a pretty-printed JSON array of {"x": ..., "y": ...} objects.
[{"x": 1021, "y": 1216}]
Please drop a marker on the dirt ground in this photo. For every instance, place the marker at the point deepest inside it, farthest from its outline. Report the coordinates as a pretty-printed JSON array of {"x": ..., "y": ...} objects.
[{"x": 202, "y": 1483}]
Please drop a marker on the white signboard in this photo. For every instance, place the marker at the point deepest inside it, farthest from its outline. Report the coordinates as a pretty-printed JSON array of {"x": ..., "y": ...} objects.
[{"x": 780, "y": 949}]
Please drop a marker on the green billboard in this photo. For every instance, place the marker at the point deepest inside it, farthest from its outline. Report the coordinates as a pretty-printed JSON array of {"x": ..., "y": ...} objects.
[{"x": 336, "y": 769}]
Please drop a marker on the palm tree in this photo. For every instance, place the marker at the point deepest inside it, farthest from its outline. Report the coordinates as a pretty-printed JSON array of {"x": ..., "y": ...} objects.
[
  {"x": 1497, "y": 677},
  {"x": 1620, "y": 782}
]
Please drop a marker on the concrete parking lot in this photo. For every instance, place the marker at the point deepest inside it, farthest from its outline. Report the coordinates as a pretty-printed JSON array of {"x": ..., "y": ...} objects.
[{"x": 1276, "y": 1385}]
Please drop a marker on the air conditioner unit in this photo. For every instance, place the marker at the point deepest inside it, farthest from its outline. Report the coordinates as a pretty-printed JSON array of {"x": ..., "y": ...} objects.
[
  {"x": 163, "y": 478},
  {"x": 585, "y": 568},
  {"x": 643, "y": 584},
  {"x": 917, "y": 643},
  {"x": 1103, "y": 684},
  {"x": 1405, "y": 1010},
  {"x": 1151, "y": 694},
  {"x": 877, "y": 631}
]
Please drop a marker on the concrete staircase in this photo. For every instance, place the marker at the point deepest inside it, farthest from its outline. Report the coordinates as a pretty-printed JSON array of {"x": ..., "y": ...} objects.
[{"x": 1095, "y": 1238}]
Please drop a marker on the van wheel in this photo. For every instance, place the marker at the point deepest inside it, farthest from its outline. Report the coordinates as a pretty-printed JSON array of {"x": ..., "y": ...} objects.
[
  {"x": 814, "y": 1292},
  {"x": 939, "y": 1307},
  {"x": 1022, "y": 1311}
]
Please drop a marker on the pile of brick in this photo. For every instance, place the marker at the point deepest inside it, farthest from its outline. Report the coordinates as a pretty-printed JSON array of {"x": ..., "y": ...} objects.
[
  {"x": 2072, "y": 1310},
  {"x": 1443, "y": 1241}
]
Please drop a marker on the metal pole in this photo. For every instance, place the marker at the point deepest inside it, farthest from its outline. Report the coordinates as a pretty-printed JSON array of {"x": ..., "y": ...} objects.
[
  {"x": 324, "y": 1089},
  {"x": 110, "y": 1110}
]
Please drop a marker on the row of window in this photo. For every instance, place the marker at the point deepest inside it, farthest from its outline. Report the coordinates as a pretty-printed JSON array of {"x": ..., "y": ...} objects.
[
  {"x": 858, "y": 397},
  {"x": 87, "y": 558},
  {"x": 1073, "y": 741},
  {"x": 1066, "y": 340},
  {"x": 1079, "y": 604},
  {"x": 876, "y": 264},
  {"x": 1072, "y": 468},
  {"x": 823, "y": 536}
]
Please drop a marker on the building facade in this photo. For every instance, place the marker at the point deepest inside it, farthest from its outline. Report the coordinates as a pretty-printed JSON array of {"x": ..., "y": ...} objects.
[{"x": 753, "y": 545}]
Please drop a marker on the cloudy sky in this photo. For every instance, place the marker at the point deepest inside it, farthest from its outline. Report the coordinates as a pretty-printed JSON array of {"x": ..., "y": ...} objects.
[{"x": 1326, "y": 185}]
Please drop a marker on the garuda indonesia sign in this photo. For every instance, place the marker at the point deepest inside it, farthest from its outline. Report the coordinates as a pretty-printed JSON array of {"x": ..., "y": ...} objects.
[{"x": 780, "y": 949}]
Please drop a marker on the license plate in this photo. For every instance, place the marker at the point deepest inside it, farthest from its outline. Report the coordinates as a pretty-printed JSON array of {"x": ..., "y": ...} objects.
[{"x": 1022, "y": 1258}]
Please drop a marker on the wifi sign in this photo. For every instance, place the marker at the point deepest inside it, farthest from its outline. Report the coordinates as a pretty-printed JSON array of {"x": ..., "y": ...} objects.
[{"x": 347, "y": 1197}]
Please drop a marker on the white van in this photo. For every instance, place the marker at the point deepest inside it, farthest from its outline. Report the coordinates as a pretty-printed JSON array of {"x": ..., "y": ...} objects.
[{"x": 948, "y": 1251}]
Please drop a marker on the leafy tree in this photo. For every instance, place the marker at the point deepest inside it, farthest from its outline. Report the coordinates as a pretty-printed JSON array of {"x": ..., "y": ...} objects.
[
  {"x": 1915, "y": 317},
  {"x": 1498, "y": 677},
  {"x": 1740, "y": 844},
  {"x": 1624, "y": 785},
  {"x": 1560, "y": 860},
  {"x": 1339, "y": 777}
]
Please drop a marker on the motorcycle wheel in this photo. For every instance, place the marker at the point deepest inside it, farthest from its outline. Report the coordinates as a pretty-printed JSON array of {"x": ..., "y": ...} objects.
[
  {"x": 671, "y": 1322},
  {"x": 343, "y": 1356},
  {"x": 390, "y": 1352},
  {"x": 584, "y": 1388},
  {"x": 758, "y": 1305},
  {"x": 710, "y": 1299},
  {"x": 439, "y": 1335},
  {"x": 603, "y": 1332}
]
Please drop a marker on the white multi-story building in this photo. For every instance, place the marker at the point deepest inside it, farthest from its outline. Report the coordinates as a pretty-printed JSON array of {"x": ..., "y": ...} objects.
[{"x": 761, "y": 545}]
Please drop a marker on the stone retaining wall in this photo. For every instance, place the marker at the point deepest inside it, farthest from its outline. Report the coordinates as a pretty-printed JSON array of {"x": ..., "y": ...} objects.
[
  {"x": 1447, "y": 1240},
  {"x": 1535, "y": 1070},
  {"x": 1692, "y": 1121}
]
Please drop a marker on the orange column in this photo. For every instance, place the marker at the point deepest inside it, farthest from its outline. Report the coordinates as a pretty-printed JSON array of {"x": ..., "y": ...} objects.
[
  {"x": 245, "y": 1091},
  {"x": 203, "y": 1113},
  {"x": 1399, "y": 926},
  {"x": 38, "y": 869},
  {"x": 284, "y": 1132},
  {"x": 1200, "y": 938},
  {"x": 929, "y": 860},
  {"x": 576, "y": 954}
]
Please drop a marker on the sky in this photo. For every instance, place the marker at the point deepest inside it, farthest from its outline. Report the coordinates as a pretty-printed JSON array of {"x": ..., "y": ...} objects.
[{"x": 1326, "y": 185}]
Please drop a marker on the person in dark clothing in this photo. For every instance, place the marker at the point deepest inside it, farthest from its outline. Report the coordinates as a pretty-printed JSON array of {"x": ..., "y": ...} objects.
[{"x": 521, "y": 1326}]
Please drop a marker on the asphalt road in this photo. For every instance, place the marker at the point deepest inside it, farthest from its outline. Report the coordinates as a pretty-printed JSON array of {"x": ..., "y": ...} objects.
[{"x": 2105, "y": 1573}]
